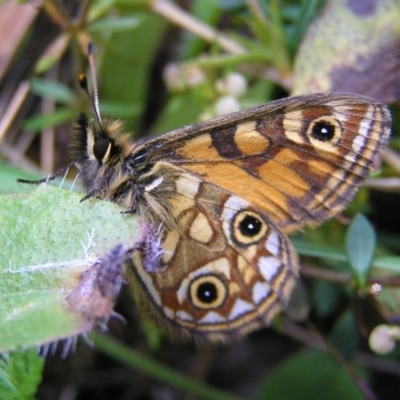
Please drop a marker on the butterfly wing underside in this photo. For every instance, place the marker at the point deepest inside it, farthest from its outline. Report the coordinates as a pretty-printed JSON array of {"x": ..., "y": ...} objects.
[
  {"x": 218, "y": 198},
  {"x": 225, "y": 269},
  {"x": 300, "y": 159}
]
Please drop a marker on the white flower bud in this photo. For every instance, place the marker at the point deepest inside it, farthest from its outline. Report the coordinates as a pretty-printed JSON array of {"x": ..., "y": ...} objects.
[
  {"x": 382, "y": 338},
  {"x": 376, "y": 289},
  {"x": 173, "y": 77},
  {"x": 179, "y": 78},
  {"x": 226, "y": 105},
  {"x": 236, "y": 84},
  {"x": 194, "y": 76}
]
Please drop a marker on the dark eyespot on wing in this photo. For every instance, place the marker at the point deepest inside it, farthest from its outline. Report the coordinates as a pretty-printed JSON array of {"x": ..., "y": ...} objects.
[
  {"x": 249, "y": 226},
  {"x": 323, "y": 131},
  {"x": 208, "y": 292}
]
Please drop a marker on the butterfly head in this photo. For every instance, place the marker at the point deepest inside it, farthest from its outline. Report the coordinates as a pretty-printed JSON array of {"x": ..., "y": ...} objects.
[{"x": 99, "y": 148}]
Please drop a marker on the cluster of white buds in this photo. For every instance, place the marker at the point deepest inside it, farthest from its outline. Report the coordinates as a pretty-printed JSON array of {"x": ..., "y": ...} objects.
[
  {"x": 231, "y": 88},
  {"x": 177, "y": 78}
]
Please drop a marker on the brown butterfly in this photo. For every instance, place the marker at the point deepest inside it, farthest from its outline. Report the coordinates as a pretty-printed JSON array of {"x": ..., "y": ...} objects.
[{"x": 219, "y": 197}]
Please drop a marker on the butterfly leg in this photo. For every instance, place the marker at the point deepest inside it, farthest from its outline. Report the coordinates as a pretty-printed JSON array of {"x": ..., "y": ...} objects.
[
  {"x": 98, "y": 189},
  {"x": 133, "y": 189},
  {"x": 150, "y": 249},
  {"x": 59, "y": 172}
]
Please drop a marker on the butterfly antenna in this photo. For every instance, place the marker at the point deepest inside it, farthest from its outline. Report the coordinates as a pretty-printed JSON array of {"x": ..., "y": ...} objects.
[
  {"x": 94, "y": 101},
  {"x": 93, "y": 71}
]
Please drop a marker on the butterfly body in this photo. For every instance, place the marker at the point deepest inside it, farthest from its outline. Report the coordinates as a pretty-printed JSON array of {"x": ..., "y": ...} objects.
[{"x": 220, "y": 196}]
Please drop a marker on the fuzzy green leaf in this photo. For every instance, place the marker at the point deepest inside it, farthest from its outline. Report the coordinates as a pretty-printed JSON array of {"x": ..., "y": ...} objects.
[{"x": 47, "y": 239}]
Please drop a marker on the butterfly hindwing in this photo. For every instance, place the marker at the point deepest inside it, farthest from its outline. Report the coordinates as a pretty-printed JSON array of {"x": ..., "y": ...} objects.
[{"x": 224, "y": 269}]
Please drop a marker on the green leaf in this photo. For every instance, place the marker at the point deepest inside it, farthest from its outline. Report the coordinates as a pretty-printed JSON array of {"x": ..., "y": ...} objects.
[
  {"x": 344, "y": 336},
  {"x": 360, "y": 247},
  {"x": 9, "y": 176},
  {"x": 207, "y": 11},
  {"x": 127, "y": 71},
  {"x": 54, "y": 52},
  {"x": 49, "y": 120},
  {"x": 20, "y": 375},
  {"x": 115, "y": 109},
  {"x": 45, "y": 63},
  {"x": 52, "y": 90},
  {"x": 270, "y": 32},
  {"x": 172, "y": 116},
  {"x": 317, "y": 250},
  {"x": 307, "y": 10},
  {"x": 115, "y": 25},
  {"x": 47, "y": 239},
  {"x": 387, "y": 262},
  {"x": 325, "y": 297},
  {"x": 309, "y": 375}
]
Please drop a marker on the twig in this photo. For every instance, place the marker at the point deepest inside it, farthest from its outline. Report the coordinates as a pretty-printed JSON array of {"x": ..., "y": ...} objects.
[
  {"x": 181, "y": 18},
  {"x": 392, "y": 158},
  {"x": 13, "y": 108},
  {"x": 391, "y": 185},
  {"x": 325, "y": 274},
  {"x": 362, "y": 386}
]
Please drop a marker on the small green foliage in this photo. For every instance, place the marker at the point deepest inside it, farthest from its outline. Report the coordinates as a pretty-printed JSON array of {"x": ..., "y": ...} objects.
[
  {"x": 20, "y": 374},
  {"x": 115, "y": 25},
  {"x": 309, "y": 375},
  {"x": 52, "y": 90},
  {"x": 325, "y": 297},
  {"x": 344, "y": 336},
  {"x": 44, "y": 121},
  {"x": 360, "y": 247},
  {"x": 9, "y": 176},
  {"x": 136, "y": 360},
  {"x": 209, "y": 11},
  {"x": 45, "y": 63}
]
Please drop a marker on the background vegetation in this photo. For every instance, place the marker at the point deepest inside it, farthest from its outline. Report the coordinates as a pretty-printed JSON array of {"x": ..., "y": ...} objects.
[{"x": 161, "y": 66}]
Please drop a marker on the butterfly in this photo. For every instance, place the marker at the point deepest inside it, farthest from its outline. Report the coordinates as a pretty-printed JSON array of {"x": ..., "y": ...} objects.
[{"x": 219, "y": 198}]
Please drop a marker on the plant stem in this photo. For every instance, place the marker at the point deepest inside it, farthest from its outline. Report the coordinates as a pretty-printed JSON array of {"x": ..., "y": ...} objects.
[
  {"x": 181, "y": 18},
  {"x": 145, "y": 364}
]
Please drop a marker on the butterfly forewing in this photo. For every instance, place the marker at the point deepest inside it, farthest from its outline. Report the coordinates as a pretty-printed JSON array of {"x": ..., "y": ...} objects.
[{"x": 300, "y": 160}]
